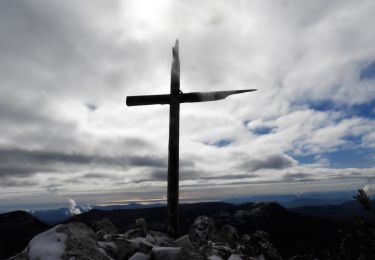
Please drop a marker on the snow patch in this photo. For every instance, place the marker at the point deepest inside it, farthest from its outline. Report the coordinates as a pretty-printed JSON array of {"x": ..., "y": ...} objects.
[
  {"x": 139, "y": 256},
  {"x": 49, "y": 245},
  {"x": 235, "y": 257},
  {"x": 214, "y": 257}
]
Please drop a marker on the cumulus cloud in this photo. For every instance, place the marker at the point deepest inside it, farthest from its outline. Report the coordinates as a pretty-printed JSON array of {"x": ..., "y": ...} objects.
[
  {"x": 73, "y": 208},
  {"x": 67, "y": 67},
  {"x": 269, "y": 162},
  {"x": 369, "y": 189}
]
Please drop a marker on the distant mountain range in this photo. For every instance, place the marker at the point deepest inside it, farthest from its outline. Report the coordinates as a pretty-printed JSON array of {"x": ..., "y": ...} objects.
[
  {"x": 347, "y": 210},
  {"x": 317, "y": 229},
  {"x": 326, "y": 199},
  {"x": 297, "y": 200},
  {"x": 54, "y": 216}
]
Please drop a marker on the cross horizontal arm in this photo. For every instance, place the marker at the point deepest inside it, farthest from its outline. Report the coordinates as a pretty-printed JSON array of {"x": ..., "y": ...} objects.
[
  {"x": 148, "y": 100},
  {"x": 184, "y": 97},
  {"x": 210, "y": 96}
]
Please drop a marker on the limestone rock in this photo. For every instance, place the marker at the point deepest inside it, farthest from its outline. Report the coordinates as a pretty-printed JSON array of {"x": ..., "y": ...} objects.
[
  {"x": 139, "y": 256},
  {"x": 257, "y": 244},
  {"x": 103, "y": 227},
  {"x": 66, "y": 242},
  {"x": 81, "y": 243},
  {"x": 142, "y": 226},
  {"x": 76, "y": 241},
  {"x": 202, "y": 231},
  {"x": 229, "y": 235},
  {"x": 165, "y": 253},
  {"x": 183, "y": 241}
]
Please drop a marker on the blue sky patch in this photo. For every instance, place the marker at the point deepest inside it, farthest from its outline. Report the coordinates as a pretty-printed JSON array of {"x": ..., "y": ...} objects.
[
  {"x": 323, "y": 105},
  {"x": 358, "y": 157},
  {"x": 345, "y": 158},
  {"x": 262, "y": 130},
  {"x": 366, "y": 110},
  {"x": 220, "y": 143},
  {"x": 368, "y": 72}
]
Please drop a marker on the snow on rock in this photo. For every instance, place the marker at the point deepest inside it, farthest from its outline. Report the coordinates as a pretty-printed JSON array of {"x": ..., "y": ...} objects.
[
  {"x": 183, "y": 241},
  {"x": 49, "y": 245},
  {"x": 165, "y": 253},
  {"x": 214, "y": 257},
  {"x": 235, "y": 257},
  {"x": 66, "y": 242},
  {"x": 140, "y": 256},
  {"x": 75, "y": 241}
]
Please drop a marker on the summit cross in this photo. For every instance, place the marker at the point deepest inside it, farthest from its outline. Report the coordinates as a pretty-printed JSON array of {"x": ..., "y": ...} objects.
[{"x": 174, "y": 99}]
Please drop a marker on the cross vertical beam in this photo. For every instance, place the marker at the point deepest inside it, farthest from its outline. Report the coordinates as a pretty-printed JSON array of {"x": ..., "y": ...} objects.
[
  {"x": 174, "y": 99},
  {"x": 173, "y": 146}
]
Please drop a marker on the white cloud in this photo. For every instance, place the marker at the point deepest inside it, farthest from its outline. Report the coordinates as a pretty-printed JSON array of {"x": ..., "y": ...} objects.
[
  {"x": 369, "y": 189},
  {"x": 73, "y": 209},
  {"x": 58, "y": 57}
]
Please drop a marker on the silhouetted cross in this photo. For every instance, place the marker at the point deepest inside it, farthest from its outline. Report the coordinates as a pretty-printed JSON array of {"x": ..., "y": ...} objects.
[{"x": 174, "y": 99}]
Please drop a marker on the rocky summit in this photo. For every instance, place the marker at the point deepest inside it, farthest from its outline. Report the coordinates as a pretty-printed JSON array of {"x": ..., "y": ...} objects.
[
  {"x": 17, "y": 228},
  {"x": 208, "y": 231},
  {"x": 204, "y": 241}
]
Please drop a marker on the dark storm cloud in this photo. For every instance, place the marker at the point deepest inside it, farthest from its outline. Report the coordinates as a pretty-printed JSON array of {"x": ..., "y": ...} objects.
[
  {"x": 192, "y": 174},
  {"x": 234, "y": 182},
  {"x": 51, "y": 50},
  {"x": 297, "y": 177},
  {"x": 159, "y": 174},
  {"x": 94, "y": 175},
  {"x": 134, "y": 143},
  {"x": 52, "y": 188},
  {"x": 16, "y": 156},
  {"x": 40, "y": 157},
  {"x": 20, "y": 171},
  {"x": 269, "y": 162},
  {"x": 147, "y": 161},
  {"x": 229, "y": 177},
  {"x": 24, "y": 163},
  {"x": 338, "y": 177},
  {"x": 186, "y": 173},
  {"x": 204, "y": 183},
  {"x": 137, "y": 181},
  {"x": 11, "y": 182}
]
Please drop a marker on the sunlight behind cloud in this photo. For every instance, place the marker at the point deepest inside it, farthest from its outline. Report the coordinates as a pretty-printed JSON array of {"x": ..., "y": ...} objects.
[{"x": 67, "y": 130}]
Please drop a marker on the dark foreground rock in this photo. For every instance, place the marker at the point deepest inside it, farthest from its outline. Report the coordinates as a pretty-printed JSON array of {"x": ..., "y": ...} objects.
[
  {"x": 291, "y": 233},
  {"x": 247, "y": 231},
  {"x": 78, "y": 241},
  {"x": 16, "y": 230}
]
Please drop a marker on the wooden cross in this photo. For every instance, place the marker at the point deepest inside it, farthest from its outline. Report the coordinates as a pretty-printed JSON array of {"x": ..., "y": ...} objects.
[{"x": 174, "y": 99}]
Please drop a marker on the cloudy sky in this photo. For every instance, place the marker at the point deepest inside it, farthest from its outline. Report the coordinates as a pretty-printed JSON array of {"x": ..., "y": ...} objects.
[{"x": 66, "y": 68}]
